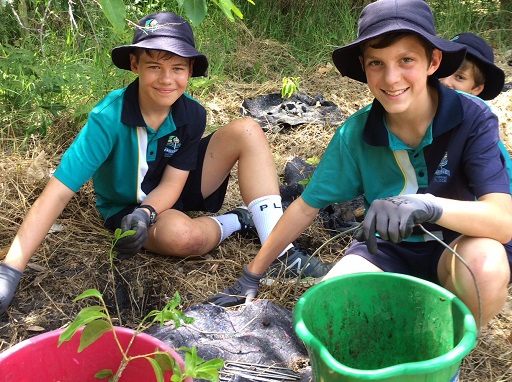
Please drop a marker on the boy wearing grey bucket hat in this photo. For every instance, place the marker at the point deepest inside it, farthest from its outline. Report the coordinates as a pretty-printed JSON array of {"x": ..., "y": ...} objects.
[
  {"x": 421, "y": 154},
  {"x": 143, "y": 147}
]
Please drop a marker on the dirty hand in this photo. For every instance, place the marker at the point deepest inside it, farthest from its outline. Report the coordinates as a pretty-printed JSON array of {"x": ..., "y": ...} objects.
[
  {"x": 394, "y": 218},
  {"x": 242, "y": 291},
  {"x": 9, "y": 279},
  {"x": 138, "y": 221}
]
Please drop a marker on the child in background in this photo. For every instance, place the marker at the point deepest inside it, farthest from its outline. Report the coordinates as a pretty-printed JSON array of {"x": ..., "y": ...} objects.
[{"x": 478, "y": 75}]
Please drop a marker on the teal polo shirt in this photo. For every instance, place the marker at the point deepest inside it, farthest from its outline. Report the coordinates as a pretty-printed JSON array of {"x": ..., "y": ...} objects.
[
  {"x": 125, "y": 157},
  {"x": 458, "y": 158}
]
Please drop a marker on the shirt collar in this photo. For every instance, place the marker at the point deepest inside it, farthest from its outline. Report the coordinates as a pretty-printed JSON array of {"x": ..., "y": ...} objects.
[
  {"x": 449, "y": 115},
  {"x": 132, "y": 116}
]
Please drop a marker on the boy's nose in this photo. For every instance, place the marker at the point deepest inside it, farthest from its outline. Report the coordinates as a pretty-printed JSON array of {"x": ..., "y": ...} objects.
[
  {"x": 447, "y": 81},
  {"x": 392, "y": 75},
  {"x": 166, "y": 76}
]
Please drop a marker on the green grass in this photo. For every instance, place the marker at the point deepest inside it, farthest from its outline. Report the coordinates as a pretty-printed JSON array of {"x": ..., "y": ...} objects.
[{"x": 56, "y": 72}]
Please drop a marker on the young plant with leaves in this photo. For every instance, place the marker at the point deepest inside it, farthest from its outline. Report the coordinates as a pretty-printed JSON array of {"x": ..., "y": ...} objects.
[
  {"x": 290, "y": 86},
  {"x": 98, "y": 321}
]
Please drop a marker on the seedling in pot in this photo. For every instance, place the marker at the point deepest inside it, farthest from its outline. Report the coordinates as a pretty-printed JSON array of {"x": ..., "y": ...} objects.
[{"x": 97, "y": 321}]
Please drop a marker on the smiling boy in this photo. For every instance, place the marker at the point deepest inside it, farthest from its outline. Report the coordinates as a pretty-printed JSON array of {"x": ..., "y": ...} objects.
[
  {"x": 420, "y": 154},
  {"x": 143, "y": 147}
]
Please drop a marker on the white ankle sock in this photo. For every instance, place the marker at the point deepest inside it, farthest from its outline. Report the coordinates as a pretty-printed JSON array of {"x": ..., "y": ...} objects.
[
  {"x": 265, "y": 212},
  {"x": 228, "y": 224}
]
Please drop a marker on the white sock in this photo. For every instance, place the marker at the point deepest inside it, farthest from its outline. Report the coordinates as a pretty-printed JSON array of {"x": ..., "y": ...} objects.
[
  {"x": 265, "y": 212},
  {"x": 228, "y": 224}
]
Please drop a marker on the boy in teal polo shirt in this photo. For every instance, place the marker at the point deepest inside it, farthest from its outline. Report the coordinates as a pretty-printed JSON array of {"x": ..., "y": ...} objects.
[
  {"x": 421, "y": 154},
  {"x": 143, "y": 147}
]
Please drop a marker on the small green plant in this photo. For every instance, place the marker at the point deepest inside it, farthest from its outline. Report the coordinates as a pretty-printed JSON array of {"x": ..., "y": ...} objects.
[
  {"x": 98, "y": 321},
  {"x": 312, "y": 161},
  {"x": 290, "y": 86}
]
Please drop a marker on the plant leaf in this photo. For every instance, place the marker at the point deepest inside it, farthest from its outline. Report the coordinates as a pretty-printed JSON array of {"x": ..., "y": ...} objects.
[
  {"x": 130, "y": 232},
  {"x": 215, "y": 363},
  {"x": 81, "y": 319},
  {"x": 102, "y": 374},
  {"x": 156, "y": 368},
  {"x": 92, "y": 331},
  {"x": 115, "y": 12},
  {"x": 89, "y": 293},
  {"x": 180, "y": 3},
  {"x": 164, "y": 360},
  {"x": 117, "y": 233},
  {"x": 195, "y": 10}
]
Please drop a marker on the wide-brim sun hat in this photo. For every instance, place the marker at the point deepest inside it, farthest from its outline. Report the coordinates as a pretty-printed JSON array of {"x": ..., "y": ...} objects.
[
  {"x": 482, "y": 52},
  {"x": 387, "y": 16},
  {"x": 162, "y": 31}
]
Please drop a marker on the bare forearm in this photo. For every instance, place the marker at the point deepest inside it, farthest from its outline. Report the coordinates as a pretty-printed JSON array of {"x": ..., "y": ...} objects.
[
  {"x": 37, "y": 223},
  {"x": 297, "y": 217},
  {"x": 162, "y": 197},
  {"x": 489, "y": 217}
]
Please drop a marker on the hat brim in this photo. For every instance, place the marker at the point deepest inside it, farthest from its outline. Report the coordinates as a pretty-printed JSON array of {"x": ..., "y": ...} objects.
[
  {"x": 494, "y": 76},
  {"x": 121, "y": 54},
  {"x": 346, "y": 58}
]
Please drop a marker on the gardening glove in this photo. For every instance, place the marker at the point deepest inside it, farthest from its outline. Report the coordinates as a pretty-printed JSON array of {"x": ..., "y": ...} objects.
[
  {"x": 138, "y": 221},
  {"x": 242, "y": 291},
  {"x": 394, "y": 218},
  {"x": 9, "y": 279}
]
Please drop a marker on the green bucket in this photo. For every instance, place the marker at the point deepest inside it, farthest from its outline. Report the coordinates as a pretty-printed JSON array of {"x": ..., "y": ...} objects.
[{"x": 383, "y": 327}]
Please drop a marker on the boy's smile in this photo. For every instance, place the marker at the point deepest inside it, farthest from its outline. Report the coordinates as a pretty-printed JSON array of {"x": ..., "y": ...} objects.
[
  {"x": 162, "y": 80},
  {"x": 397, "y": 75},
  {"x": 463, "y": 80}
]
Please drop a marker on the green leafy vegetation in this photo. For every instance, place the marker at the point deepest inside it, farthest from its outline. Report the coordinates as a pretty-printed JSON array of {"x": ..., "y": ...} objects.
[
  {"x": 55, "y": 56},
  {"x": 97, "y": 321}
]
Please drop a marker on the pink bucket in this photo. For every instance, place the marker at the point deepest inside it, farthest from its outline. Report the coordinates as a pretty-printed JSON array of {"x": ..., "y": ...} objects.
[{"x": 39, "y": 359}]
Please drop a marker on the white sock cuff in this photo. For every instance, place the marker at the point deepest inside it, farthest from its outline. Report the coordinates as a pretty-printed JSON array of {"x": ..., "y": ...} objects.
[
  {"x": 220, "y": 227},
  {"x": 263, "y": 199}
]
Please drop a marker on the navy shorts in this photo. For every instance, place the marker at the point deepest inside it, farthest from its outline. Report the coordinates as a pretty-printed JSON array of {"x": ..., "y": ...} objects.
[
  {"x": 191, "y": 198},
  {"x": 415, "y": 259}
]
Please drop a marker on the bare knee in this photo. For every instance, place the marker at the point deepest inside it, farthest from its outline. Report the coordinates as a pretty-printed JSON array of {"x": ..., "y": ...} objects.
[
  {"x": 351, "y": 264},
  {"x": 243, "y": 130},
  {"x": 175, "y": 234},
  {"x": 486, "y": 258}
]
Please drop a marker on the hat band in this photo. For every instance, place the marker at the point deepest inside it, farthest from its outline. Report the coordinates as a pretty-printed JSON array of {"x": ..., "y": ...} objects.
[{"x": 147, "y": 37}]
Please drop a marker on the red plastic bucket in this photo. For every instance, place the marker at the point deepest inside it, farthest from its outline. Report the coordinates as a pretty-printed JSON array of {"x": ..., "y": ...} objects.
[{"x": 39, "y": 359}]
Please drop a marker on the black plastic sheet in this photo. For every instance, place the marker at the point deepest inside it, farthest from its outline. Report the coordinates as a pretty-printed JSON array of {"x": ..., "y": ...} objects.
[{"x": 260, "y": 333}]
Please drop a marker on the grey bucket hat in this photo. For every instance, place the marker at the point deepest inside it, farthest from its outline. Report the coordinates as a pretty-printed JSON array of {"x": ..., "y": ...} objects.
[
  {"x": 162, "y": 31},
  {"x": 386, "y": 16}
]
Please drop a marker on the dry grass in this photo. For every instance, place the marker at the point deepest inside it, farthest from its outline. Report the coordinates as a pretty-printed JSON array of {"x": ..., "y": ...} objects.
[{"x": 75, "y": 259}]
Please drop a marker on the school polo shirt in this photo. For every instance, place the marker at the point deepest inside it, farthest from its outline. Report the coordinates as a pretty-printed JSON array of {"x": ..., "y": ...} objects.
[
  {"x": 458, "y": 158},
  {"x": 126, "y": 158}
]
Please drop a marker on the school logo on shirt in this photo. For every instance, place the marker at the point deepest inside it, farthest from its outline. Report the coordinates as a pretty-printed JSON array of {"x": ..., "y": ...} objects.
[
  {"x": 442, "y": 174},
  {"x": 173, "y": 145}
]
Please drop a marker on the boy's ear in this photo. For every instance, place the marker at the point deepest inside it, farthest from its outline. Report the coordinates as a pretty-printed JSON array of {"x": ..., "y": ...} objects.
[
  {"x": 191, "y": 68},
  {"x": 134, "y": 65},
  {"x": 477, "y": 90},
  {"x": 437, "y": 56}
]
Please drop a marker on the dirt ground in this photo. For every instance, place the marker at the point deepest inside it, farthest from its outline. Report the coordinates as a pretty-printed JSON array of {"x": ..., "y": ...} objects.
[{"x": 75, "y": 256}]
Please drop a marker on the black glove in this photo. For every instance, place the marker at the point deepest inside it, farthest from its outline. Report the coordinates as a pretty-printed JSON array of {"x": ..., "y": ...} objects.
[
  {"x": 394, "y": 218},
  {"x": 242, "y": 291},
  {"x": 9, "y": 279},
  {"x": 138, "y": 221}
]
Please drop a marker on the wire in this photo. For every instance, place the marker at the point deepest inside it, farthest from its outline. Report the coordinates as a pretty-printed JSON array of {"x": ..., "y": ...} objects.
[{"x": 470, "y": 271}]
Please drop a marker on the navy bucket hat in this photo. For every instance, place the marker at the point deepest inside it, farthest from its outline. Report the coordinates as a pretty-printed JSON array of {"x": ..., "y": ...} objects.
[
  {"x": 386, "y": 16},
  {"x": 480, "y": 51},
  {"x": 162, "y": 31}
]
